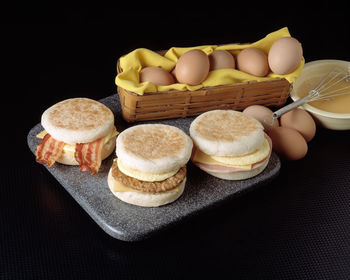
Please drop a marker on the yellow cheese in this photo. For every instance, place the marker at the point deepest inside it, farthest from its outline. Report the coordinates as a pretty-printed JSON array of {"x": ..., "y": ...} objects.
[
  {"x": 71, "y": 148},
  {"x": 120, "y": 187},
  {"x": 41, "y": 134}
]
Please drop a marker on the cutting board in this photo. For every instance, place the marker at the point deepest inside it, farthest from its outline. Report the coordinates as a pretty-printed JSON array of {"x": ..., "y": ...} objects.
[{"x": 131, "y": 223}]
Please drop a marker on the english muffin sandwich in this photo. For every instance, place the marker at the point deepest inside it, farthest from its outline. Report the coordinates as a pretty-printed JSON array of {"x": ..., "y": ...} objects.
[
  {"x": 229, "y": 145},
  {"x": 150, "y": 168},
  {"x": 77, "y": 131}
]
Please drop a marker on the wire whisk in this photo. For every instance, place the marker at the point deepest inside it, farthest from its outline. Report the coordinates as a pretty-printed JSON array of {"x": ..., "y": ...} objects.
[{"x": 330, "y": 86}]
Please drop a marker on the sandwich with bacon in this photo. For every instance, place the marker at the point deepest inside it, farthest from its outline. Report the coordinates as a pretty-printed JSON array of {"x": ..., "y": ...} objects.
[
  {"x": 150, "y": 168},
  {"x": 77, "y": 131},
  {"x": 229, "y": 144}
]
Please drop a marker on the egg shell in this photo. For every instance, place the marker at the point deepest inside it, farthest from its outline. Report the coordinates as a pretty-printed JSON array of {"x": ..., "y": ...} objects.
[
  {"x": 263, "y": 115},
  {"x": 288, "y": 143},
  {"x": 253, "y": 61},
  {"x": 285, "y": 55},
  {"x": 301, "y": 121},
  {"x": 221, "y": 59},
  {"x": 173, "y": 73},
  {"x": 156, "y": 75},
  {"x": 192, "y": 68}
]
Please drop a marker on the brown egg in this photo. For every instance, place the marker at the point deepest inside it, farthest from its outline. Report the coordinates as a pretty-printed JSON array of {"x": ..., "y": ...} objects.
[
  {"x": 263, "y": 115},
  {"x": 253, "y": 61},
  {"x": 173, "y": 72},
  {"x": 285, "y": 55},
  {"x": 221, "y": 59},
  {"x": 156, "y": 75},
  {"x": 301, "y": 121},
  {"x": 192, "y": 68},
  {"x": 288, "y": 143}
]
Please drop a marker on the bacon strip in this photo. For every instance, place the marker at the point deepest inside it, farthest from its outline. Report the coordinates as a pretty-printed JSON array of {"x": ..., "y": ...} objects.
[
  {"x": 89, "y": 155},
  {"x": 48, "y": 150}
]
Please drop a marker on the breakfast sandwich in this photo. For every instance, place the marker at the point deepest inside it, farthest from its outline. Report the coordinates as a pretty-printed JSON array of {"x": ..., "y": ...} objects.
[
  {"x": 150, "y": 168},
  {"x": 229, "y": 144},
  {"x": 77, "y": 131}
]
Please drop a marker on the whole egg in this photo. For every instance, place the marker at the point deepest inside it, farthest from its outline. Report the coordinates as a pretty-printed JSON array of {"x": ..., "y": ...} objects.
[
  {"x": 192, "y": 68},
  {"x": 288, "y": 143},
  {"x": 285, "y": 55},
  {"x": 301, "y": 121},
  {"x": 221, "y": 59},
  {"x": 262, "y": 114},
  {"x": 253, "y": 61},
  {"x": 156, "y": 75}
]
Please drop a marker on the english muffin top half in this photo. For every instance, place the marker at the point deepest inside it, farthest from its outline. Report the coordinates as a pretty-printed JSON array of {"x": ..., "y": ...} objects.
[
  {"x": 78, "y": 120},
  {"x": 154, "y": 148},
  {"x": 226, "y": 133}
]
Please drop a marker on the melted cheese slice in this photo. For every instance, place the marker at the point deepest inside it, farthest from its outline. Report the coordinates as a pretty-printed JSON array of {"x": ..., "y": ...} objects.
[
  {"x": 71, "y": 148},
  {"x": 145, "y": 176},
  {"x": 245, "y": 161},
  {"x": 120, "y": 187}
]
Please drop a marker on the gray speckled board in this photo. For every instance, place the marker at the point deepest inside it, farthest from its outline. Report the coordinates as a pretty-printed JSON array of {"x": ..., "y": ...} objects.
[{"x": 130, "y": 223}]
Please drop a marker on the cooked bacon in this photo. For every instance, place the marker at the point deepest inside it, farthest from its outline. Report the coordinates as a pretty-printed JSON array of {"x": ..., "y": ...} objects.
[
  {"x": 49, "y": 150},
  {"x": 89, "y": 155}
]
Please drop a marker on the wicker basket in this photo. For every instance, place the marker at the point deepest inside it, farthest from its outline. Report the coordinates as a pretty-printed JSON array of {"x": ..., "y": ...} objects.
[{"x": 181, "y": 104}]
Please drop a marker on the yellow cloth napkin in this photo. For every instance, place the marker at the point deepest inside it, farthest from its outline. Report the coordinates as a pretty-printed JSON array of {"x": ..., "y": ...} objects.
[{"x": 134, "y": 61}]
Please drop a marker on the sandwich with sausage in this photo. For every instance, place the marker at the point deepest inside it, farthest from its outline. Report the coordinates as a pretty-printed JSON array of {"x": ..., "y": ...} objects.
[{"x": 150, "y": 168}]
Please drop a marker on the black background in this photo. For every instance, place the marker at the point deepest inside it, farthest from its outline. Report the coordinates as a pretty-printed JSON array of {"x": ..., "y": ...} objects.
[{"x": 297, "y": 227}]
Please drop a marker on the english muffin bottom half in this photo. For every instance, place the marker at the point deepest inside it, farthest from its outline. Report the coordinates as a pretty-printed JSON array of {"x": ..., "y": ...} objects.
[{"x": 150, "y": 168}]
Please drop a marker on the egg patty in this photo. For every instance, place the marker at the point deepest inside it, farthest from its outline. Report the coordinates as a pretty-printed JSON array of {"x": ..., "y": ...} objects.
[{"x": 145, "y": 176}]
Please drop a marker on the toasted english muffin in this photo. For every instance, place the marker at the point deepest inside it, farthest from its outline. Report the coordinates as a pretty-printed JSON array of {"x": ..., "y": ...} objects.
[
  {"x": 150, "y": 170},
  {"x": 78, "y": 120},
  {"x": 226, "y": 133},
  {"x": 229, "y": 145},
  {"x": 77, "y": 131},
  {"x": 154, "y": 148}
]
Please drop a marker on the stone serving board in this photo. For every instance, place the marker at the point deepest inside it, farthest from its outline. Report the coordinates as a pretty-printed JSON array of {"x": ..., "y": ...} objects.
[{"x": 131, "y": 223}]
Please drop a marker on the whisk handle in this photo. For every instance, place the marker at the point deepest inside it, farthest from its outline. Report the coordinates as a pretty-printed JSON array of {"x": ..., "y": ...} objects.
[{"x": 289, "y": 107}]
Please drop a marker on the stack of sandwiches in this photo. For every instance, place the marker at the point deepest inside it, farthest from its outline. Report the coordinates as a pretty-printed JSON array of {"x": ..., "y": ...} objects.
[
  {"x": 150, "y": 169},
  {"x": 77, "y": 131},
  {"x": 229, "y": 144}
]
